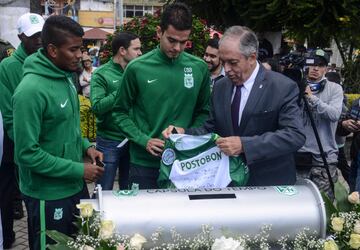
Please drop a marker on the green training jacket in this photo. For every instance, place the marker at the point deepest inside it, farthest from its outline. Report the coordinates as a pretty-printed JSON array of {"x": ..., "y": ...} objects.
[
  {"x": 160, "y": 91},
  {"x": 48, "y": 142},
  {"x": 105, "y": 83},
  {"x": 11, "y": 73}
]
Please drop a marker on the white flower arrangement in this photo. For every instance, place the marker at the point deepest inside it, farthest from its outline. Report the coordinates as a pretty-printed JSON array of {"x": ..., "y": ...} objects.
[
  {"x": 344, "y": 223},
  {"x": 97, "y": 234}
]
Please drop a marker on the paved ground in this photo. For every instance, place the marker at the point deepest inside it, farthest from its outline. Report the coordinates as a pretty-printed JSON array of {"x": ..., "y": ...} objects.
[{"x": 20, "y": 228}]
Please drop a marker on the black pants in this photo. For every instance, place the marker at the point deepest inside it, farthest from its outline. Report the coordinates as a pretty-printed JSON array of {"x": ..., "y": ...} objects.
[
  {"x": 343, "y": 165},
  {"x": 145, "y": 177},
  {"x": 59, "y": 215},
  {"x": 7, "y": 186}
]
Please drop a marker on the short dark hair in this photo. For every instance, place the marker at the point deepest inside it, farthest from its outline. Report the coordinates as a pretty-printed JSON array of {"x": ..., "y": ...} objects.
[
  {"x": 122, "y": 39},
  {"x": 178, "y": 15},
  {"x": 213, "y": 43},
  {"x": 57, "y": 28}
]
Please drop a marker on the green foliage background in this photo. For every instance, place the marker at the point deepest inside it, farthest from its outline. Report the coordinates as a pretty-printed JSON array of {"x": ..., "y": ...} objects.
[
  {"x": 145, "y": 28},
  {"x": 314, "y": 21}
]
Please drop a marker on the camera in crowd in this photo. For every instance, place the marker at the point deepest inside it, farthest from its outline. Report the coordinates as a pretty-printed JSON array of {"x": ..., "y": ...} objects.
[
  {"x": 293, "y": 60},
  {"x": 299, "y": 60},
  {"x": 295, "y": 63}
]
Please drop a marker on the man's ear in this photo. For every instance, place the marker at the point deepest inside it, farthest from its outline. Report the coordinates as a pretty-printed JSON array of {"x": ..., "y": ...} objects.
[
  {"x": 252, "y": 58},
  {"x": 158, "y": 32},
  {"x": 51, "y": 50},
  {"x": 122, "y": 51}
]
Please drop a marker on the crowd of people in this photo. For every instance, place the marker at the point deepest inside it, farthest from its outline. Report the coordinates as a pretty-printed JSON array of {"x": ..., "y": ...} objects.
[{"x": 260, "y": 115}]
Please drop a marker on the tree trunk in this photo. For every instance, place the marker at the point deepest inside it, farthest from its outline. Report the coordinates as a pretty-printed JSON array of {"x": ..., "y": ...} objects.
[
  {"x": 35, "y": 7},
  {"x": 342, "y": 52}
]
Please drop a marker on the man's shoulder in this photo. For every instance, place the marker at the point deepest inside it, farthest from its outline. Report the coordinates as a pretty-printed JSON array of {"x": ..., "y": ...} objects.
[
  {"x": 145, "y": 59},
  {"x": 191, "y": 59},
  {"x": 106, "y": 72},
  {"x": 102, "y": 68},
  {"x": 222, "y": 83},
  {"x": 333, "y": 85},
  {"x": 33, "y": 83},
  {"x": 11, "y": 61}
]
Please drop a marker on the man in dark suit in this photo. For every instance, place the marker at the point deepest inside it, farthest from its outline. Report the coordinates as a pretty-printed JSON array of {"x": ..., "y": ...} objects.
[{"x": 255, "y": 112}]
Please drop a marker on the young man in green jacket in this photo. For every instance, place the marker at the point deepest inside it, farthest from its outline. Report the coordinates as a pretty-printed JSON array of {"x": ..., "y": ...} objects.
[
  {"x": 105, "y": 82},
  {"x": 29, "y": 28},
  {"x": 48, "y": 143},
  {"x": 165, "y": 85}
]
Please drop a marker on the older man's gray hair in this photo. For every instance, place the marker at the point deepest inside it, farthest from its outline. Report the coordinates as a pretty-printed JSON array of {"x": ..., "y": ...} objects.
[{"x": 249, "y": 43}]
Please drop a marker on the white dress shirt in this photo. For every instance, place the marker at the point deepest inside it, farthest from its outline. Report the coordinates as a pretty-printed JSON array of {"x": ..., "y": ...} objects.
[{"x": 246, "y": 89}]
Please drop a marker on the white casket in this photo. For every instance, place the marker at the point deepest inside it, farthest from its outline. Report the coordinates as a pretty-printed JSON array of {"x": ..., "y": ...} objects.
[{"x": 239, "y": 210}]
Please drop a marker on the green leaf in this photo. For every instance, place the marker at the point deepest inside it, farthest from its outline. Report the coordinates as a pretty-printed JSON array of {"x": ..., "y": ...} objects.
[
  {"x": 58, "y": 246},
  {"x": 341, "y": 197},
  {"x": 58, "y": 237},
  {"x": 329, "y": 207}
]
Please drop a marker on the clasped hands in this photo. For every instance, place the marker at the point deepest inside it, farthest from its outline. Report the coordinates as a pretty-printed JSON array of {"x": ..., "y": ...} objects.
[
  {"x": 92, "y": 172},
  {"x": 351, "y": 125}
]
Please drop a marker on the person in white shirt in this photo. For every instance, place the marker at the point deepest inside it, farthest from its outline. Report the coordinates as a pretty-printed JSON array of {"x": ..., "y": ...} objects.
[{"x": 85, "y": 76}]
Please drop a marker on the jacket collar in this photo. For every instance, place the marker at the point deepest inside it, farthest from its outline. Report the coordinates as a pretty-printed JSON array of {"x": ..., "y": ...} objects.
[{"x": 165, "y": 58}]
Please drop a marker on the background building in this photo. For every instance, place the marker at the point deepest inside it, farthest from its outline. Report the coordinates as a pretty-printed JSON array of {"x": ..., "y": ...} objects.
[{"x": 101, "y": 15}]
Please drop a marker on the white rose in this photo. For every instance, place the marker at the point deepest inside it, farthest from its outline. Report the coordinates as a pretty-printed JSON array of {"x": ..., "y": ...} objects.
[
  {"x": 86, "y": 209},
  {"x": 106, "y": 229},
  {"x": 227, "y": 244},
  {"x": 354, "y": 241},
  {"x": 337, "y": 224},
  {"x": 357, "y": 227},
  {"x": 120, "y": 247},
  {"x": 330, "y": 245},
  {"x": 86, "y": 247},
  {"x": 137, "y": 241},
  {"x": 353, "y": 198}
]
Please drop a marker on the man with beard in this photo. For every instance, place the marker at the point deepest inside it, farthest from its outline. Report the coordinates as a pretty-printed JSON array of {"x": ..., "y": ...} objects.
[
  {"x": 212, "y": 59},
  {"x": 48, "y": 145},
  {"x": 29, "y": 28}
]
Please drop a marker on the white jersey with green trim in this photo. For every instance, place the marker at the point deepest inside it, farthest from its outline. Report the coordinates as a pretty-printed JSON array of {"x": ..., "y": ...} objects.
[{"x": 196, "y": 162}]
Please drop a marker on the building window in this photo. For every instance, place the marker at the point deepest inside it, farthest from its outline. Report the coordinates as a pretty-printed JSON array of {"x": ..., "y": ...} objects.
[
  {"x": 137, "y": 10},
  {"x": 129, "y": 10}
]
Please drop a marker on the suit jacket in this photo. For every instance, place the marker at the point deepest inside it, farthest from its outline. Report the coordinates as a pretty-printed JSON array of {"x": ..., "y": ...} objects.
[{"x": 271, "y": 127}]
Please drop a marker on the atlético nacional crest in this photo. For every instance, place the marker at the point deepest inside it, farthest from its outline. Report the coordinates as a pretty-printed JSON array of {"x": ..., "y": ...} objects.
[
  {"x": 58, "y": 214},
  {"x": 287, "y": 190},
  {"x": 188, "y": 78},
  {"x": 188, "y": 81},
  {"x": 168, "y": 157}
]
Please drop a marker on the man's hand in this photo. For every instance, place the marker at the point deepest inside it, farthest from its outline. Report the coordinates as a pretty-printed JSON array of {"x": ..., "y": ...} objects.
[
  {"x": 92, "y": 172},
  {"x": 93, "y": 154},
  {"x": 231, "y": 146},
  {"x": 308, "y": 91},
  {"x": 155, "y": 146},
  {"x": 169, "y": 130},
  {"x": 351, "y": 125}
]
